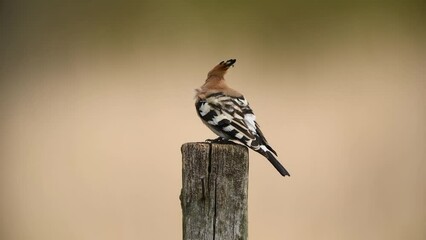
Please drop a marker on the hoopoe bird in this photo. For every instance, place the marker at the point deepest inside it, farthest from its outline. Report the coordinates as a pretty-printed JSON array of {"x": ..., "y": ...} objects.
[{"x": 227, "y": 113}]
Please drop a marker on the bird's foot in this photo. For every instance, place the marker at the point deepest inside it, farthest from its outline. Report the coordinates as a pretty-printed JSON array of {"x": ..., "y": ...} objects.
[{"x": 219, "y": 140}]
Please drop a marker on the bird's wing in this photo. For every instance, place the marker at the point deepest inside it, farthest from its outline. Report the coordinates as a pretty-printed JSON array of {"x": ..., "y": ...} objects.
[
  {"x": 233, "y": 117},
  {"x": 250, "y": 120}
]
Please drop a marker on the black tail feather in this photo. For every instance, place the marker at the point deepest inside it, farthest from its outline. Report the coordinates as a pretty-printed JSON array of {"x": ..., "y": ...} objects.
[{"x": 275, "y": 162}]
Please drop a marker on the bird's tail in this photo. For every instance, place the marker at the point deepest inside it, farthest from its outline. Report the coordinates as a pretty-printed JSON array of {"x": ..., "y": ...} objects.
[{"x": 270, "y": 156}]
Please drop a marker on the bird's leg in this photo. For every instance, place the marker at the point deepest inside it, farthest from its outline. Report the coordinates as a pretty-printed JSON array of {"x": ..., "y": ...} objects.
[
  {"x": 216, "y": 140},
  {"x": 219, "y": 140}
]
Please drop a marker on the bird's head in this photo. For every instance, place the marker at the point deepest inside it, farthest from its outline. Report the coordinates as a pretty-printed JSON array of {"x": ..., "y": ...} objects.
[{"x": 220, "y": 69}]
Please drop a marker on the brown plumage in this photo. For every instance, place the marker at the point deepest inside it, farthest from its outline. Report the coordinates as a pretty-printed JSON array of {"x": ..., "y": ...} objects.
[{"x": 215, "y": 81}]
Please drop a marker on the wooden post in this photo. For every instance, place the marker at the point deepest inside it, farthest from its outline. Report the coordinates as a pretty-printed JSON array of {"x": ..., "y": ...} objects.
[{"x": 214, "y": 191}]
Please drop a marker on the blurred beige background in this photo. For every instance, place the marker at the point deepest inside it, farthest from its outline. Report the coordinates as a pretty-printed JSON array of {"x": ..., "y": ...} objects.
[{"x": 96, "y": 98}]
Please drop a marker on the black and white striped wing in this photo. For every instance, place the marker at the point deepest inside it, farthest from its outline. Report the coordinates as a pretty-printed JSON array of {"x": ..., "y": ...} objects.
[{"x": 230, "y": 118}]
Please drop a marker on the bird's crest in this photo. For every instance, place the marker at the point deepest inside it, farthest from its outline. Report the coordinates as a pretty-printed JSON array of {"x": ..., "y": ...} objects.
[{"x": 220, "y": 69}]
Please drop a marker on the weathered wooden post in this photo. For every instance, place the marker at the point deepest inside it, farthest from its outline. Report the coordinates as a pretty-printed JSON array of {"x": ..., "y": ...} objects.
[{"x": 214, "y": 191}]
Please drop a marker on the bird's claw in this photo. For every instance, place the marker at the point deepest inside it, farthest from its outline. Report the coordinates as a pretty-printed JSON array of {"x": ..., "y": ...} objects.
[{"x": 219, "y": 140}]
